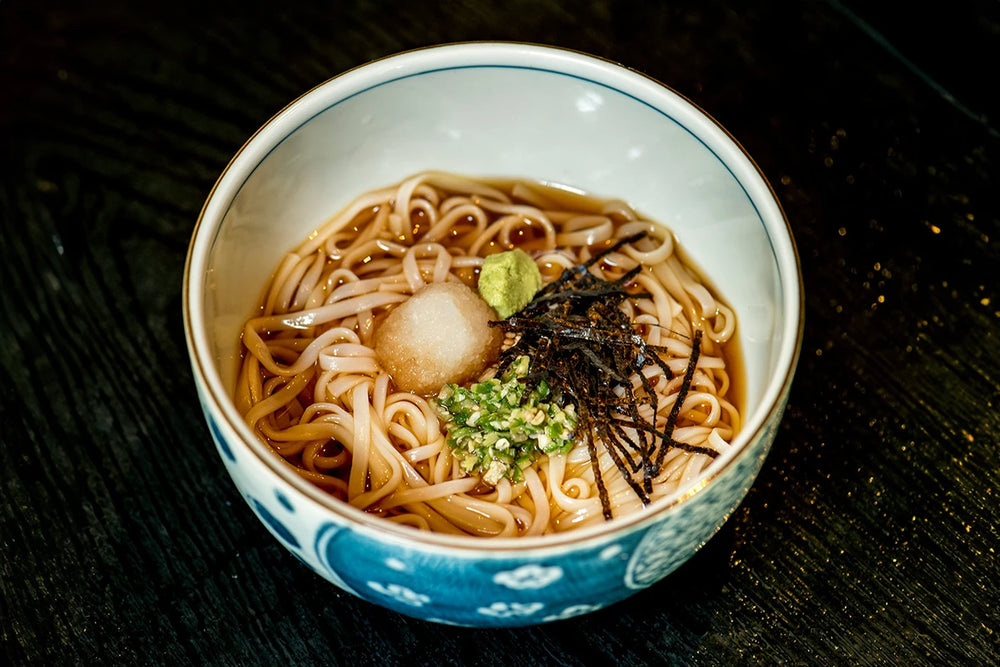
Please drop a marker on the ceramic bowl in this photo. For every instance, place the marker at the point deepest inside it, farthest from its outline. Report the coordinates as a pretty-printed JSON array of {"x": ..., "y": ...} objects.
[{"x": 493, "y": 109}]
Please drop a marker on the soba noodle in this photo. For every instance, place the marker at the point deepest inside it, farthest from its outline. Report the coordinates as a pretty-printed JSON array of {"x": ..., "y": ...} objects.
[{"x": 311, "y": 386}]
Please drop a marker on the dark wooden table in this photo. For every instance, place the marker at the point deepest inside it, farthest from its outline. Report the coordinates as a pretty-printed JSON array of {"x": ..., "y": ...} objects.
[{"x": 871, "y": 536}]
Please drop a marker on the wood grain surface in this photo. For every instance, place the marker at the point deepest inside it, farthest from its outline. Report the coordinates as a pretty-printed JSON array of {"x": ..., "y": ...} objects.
[{"x": 870, "y": 537}]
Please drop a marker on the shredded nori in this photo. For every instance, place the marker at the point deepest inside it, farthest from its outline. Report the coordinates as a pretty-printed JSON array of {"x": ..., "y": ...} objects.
[{"x": 582, "y": 343}]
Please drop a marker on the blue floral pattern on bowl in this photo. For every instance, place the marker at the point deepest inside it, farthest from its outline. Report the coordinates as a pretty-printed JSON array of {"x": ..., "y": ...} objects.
[{"x": 507, "y": 591}]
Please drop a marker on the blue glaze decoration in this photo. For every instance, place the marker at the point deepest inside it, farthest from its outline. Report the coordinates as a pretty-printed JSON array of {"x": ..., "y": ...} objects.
[
  {"x": 422, "y": 582},
  {"x": 276, "y": 526},
  {"x": 285, "y": 502},
  {"x": 220, "y": 441}
]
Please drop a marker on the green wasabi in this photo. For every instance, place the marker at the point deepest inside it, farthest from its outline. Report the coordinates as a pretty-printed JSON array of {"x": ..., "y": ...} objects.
[{"x": 508, "y": 281}]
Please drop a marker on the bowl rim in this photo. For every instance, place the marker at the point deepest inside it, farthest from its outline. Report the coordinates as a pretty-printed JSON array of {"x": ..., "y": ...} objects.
[{"x": 220, "y": 404}]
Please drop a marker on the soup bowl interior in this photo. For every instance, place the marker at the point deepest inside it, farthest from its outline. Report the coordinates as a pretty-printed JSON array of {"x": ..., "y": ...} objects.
[{"x": 493, "y": 110}]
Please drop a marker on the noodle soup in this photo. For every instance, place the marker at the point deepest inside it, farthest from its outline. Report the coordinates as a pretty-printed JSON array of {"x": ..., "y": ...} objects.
[{"x": 315, "y": 383}]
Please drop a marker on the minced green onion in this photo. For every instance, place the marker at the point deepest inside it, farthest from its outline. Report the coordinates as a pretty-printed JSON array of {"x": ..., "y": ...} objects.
[{"x": 496, "y": 431}]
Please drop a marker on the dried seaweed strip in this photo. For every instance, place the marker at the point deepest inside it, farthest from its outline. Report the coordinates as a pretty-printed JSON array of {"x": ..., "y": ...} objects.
[
  {"x": 621, "y": 465},
  {"x": 595, "y": 464},
  {"x": 585, "y": 347},
  {"x": 675, "y": 410},
  {"x": 582, "y": 270},
  {"x": 630, "y": 403}
]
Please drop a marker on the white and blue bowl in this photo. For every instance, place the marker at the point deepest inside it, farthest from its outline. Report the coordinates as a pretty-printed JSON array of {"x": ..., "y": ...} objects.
[{"x": 493, "y": 109}]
